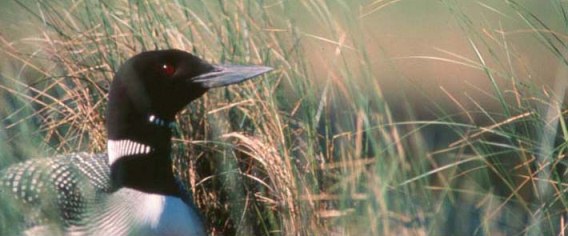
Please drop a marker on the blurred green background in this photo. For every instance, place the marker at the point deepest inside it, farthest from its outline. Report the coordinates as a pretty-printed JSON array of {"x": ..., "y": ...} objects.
[{"x": 393, "y": 34}]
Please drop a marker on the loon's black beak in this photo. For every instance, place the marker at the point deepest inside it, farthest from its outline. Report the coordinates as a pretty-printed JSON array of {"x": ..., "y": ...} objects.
[{"x": 224, "y": 75}]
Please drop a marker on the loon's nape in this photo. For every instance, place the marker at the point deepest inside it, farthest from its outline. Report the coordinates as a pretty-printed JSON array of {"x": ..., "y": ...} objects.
[{"x": 131, "y": 189}]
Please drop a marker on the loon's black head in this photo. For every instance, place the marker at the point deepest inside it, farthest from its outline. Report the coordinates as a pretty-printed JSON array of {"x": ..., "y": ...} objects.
[
  {"x": 145, "y": 95},
  {"x": 158, "y": 84}
]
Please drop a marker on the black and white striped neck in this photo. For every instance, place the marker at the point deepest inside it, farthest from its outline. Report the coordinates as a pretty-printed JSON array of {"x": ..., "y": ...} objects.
[
  {"x": 157, "y": 121},
  {"x": 142, "y": 167},
  {"x": 142, "y": 139},
  {"x": 139, "y": 154},
  {"x": 123, "y": 148}
]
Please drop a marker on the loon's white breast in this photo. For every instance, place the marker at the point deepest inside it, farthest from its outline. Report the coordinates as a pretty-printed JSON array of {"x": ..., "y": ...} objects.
[
  {"x": 155, "y": 214},
  {"x": 131, "y": 212}
]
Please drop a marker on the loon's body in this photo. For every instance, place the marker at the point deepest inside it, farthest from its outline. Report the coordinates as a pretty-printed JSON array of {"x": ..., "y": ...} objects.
[
  {"x": 80, "y": 187},
  {"x": 131, "y": 189}
]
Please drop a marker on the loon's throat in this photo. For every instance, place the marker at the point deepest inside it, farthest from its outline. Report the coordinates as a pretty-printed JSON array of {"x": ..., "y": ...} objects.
[
  {"x": 149, "y": 136},
  {"x": 147, "y": 172},
  {"x": 140, "y": 157}
]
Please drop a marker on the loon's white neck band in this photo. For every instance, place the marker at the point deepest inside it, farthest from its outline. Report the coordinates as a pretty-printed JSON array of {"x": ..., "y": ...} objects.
[{"x": 125, "y": 147}]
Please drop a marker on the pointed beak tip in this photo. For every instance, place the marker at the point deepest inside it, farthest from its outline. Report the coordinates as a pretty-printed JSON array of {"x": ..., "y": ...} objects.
[
  {"x": 266, "y": 69},
  {"x": 230, "y": 74}
]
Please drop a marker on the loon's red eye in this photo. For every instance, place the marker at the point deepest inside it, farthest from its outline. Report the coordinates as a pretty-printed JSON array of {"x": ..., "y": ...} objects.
[{"x": 168, "y": 69}]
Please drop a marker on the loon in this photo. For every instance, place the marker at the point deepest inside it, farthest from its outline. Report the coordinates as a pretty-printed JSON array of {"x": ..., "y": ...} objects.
[{"x": 131, "y": 189}]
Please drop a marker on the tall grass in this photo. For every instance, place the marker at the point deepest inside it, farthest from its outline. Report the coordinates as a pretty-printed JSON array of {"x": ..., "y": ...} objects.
[{"x": 312, "y": 148}]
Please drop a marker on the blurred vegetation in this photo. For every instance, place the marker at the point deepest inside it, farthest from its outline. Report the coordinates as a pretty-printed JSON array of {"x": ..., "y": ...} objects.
[{"x": 381, "y": 118}]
